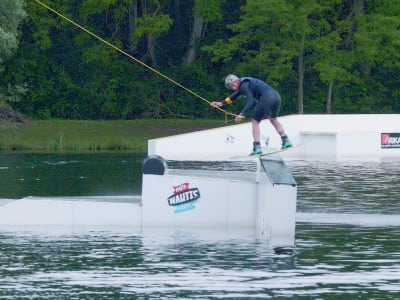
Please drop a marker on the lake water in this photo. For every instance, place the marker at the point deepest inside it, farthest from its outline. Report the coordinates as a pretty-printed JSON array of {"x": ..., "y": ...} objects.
[{"x": 347, "y": 239}]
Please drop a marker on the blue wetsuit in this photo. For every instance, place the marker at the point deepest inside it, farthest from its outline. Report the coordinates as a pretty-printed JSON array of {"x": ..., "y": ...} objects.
[{"x": 266, "y": 100}]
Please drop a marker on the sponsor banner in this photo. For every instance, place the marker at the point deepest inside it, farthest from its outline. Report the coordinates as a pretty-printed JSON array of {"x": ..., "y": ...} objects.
[
  {"x": 183, "y": 197},
  {"x": 390, "y": 140}
]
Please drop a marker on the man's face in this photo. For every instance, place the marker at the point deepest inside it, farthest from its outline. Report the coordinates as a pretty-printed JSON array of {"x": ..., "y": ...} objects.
[{"x": 235, "y": 85}]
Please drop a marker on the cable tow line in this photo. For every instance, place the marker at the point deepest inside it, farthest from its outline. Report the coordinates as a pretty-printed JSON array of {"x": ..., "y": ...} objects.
[{"x": 134, "y": 58}]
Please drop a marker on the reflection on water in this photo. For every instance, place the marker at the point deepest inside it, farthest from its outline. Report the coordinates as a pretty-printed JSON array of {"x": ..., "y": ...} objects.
[
  {"x": 362, "y": 187},
  {"x": 25, "y": 175},
  {"x": 327, "y": 261},
  {"x": 347, "y": 238}
]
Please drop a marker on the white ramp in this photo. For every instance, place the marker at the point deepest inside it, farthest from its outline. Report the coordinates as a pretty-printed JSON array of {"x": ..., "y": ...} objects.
[{"x": 318, "y": 137}]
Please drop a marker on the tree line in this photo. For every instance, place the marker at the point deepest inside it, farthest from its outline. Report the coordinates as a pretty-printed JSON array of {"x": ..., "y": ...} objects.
[{"x": 323, "y": 56}]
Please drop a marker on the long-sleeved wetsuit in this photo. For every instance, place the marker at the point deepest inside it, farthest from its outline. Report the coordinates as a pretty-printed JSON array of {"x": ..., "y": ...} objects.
[{"x": 266, "y": 100}]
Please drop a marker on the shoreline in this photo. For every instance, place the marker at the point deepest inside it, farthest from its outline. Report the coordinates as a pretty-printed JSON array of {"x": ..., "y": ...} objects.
[{"x": 86, "y": 136}]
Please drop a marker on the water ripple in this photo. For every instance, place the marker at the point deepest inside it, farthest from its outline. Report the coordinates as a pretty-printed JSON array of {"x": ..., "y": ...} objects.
[
  {"x": 325, "y": 263},
  {"x": 363, "y": 187}
]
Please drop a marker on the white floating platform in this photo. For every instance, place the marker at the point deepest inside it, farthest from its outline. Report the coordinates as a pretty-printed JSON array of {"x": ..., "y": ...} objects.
[
  {"x": 71, "y": 211},
  {"x": 319, "y": 137},
  {"x": 262, "y": 201}
]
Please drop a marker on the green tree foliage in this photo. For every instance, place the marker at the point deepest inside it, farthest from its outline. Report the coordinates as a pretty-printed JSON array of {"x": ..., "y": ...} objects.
[
  {"x": 307, "y": 42},
  {"x": 278, "y": 42},
  {"x": 322, "y": 55},
  {"x": 11, "y": 15},
  {"x": 377, "y": 52},
  {"x": 204, "y": 11}
]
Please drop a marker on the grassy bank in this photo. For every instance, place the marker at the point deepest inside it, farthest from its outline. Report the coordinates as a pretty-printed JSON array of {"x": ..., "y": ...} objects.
[{"x": 86, "y": 136}]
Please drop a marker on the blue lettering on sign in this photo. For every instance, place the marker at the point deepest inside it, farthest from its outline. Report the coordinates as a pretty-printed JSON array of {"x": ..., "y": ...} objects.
[{"x": 185, "y": 207}]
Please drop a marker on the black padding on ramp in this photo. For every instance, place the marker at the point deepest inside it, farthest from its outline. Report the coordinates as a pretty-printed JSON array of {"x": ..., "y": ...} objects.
[
  {"x": 155, "y": 165},
  {"x": 277, "y": 171}
]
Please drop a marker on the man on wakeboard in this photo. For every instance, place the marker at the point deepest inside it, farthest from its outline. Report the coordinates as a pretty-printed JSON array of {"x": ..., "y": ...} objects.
[{"x": 266, "y": 102}]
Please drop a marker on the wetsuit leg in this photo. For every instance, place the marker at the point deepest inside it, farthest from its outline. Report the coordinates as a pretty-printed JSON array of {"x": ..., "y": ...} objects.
[
  {"x": 259, "y": 111},
  {"x": 272, "y": 103}
]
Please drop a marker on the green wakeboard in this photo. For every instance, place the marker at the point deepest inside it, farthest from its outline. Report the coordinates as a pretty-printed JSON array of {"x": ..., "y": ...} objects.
[{"x": 271, "y": 152}]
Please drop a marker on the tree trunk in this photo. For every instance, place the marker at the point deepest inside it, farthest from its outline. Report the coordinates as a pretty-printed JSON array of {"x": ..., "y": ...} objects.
[
  {"x": 132, "y": 16},
  {"x": 359, "y": 7},
  {"x": 300, "y": 87},
  {"x": 194, "y": 40},
  {"x": 329, "y": 98},
  {"x": 151, "y": 43},
  {"x": 358, "y": 12},
  {"x": 151, "y": 46},
  {"x": 178, "y": 18}
]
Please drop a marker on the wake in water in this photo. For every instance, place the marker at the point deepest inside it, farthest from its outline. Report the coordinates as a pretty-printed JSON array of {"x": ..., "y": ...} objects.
[{"x": 372, "y": 220}]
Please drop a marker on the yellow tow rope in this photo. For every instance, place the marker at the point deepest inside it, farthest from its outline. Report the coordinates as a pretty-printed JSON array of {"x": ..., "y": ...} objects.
[{"x": 226, "y": 113}]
